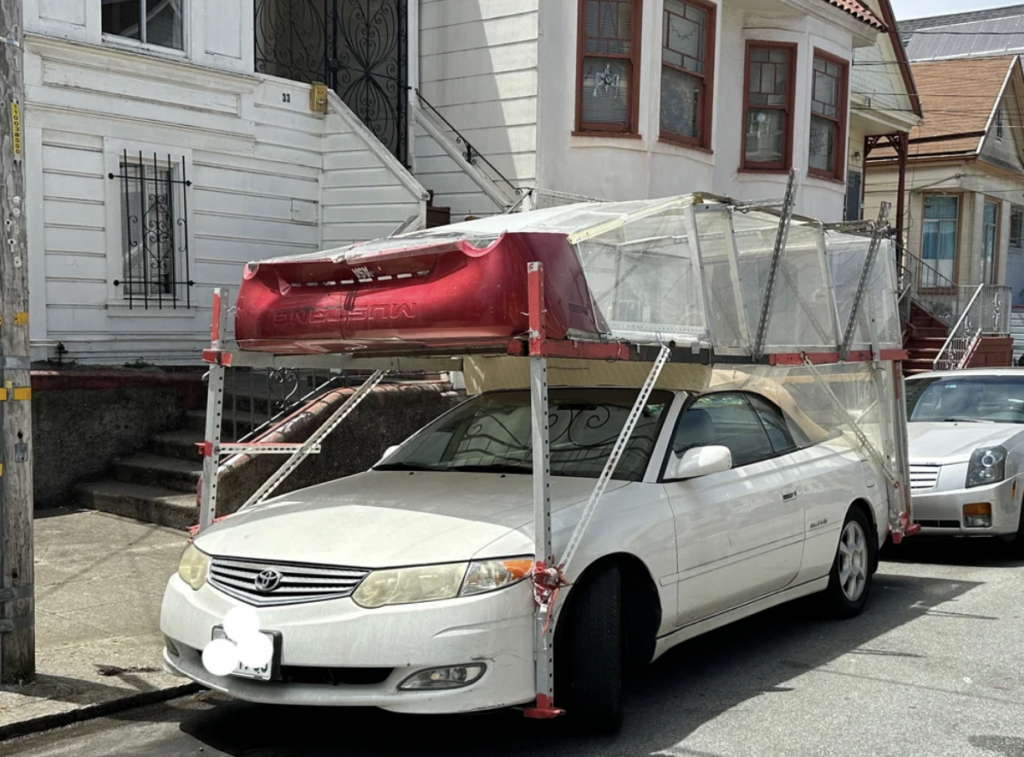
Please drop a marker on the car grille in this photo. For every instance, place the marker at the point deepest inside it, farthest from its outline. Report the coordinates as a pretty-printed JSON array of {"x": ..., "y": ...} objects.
[
  {"x": 265, "y": 584},
  {"x": 924, "y": 478}
]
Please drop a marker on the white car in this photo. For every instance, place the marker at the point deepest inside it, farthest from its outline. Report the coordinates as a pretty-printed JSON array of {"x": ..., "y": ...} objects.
[
  {"x": 966, "y": 432},
  {"x": 406, "y": 587}
]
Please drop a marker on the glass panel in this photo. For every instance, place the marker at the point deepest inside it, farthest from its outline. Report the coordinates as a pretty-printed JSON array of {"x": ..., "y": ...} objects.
[
  {"x": 775, "y": 424},
  {"x": 1016, "y": 227},
  {"x": 605, "y": 91},
  {"x": 726, "y": 420},
  {"x": 993, "y": 399},
  {"x": 766, "y": 136},
  {"x": 608, "y": 27},
  {"x": 121, "y": 17},
  {"x": 680, "y": 103},
  {"x": 684, "y": 35},
  {"x": 988, "y": 248},
  {"x": 164, "y": 24},
  {"x": 940, "y": 237},
  {"x": 769, "y": 77},
  {"x": 492, "y": 432},
  {"x": 823, "y": 144}
]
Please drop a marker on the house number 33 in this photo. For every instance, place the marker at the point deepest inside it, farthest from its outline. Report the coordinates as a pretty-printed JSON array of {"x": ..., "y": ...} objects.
[{"x": 286, "y": 98}]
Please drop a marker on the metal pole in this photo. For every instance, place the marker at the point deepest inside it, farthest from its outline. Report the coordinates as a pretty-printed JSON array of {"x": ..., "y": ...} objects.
[
  {"x": 862, "y": 287},
  {"x": 214, "y": 413},
  {"x": 785, "y": 218},
  {"x": 17, "y": 619}
]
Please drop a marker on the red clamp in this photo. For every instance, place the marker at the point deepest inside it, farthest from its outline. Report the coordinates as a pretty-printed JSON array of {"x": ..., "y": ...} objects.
[
  {"x": 545, "y": 709},
  {"x": 547, "y": 581}
]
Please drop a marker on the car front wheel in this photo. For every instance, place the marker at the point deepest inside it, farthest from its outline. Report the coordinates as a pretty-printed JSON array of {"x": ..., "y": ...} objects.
[
  {"x": 588, "y": 654},
  {"x": 849, "y": 582}
]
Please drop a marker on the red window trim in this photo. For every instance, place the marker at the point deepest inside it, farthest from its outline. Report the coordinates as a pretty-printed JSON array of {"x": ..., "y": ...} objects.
[
  {"x": 703, "y": 140},
  {"x": 787, "y": 158},
  {"x": 839, "y": 158},
  {"x": 633, "y": 106}
]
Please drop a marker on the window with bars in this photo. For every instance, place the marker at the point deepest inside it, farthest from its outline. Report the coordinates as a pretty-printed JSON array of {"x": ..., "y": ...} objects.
[
  {"x": 687, "y": 62},
  {"x": 609, "y": 64},
  {"x": 828, "y": 117},
  {"x": 768, "y": 106},
  {"x": 154, "y": 22},
  {"x": 155, "y": 265}
]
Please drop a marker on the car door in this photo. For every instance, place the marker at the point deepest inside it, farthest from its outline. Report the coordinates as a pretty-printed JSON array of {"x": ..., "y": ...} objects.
[{"x": 739, "y": 533}]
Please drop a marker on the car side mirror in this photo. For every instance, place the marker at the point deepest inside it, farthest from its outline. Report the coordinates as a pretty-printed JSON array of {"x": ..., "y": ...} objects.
[
  {"x": 700, "y": 461},
  {"x": 388, "y": 452}
]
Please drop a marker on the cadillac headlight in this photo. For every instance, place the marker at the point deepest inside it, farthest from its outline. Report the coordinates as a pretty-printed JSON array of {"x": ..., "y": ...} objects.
[
  {"x": 987, "y": 466},
  {"x": 193, "y": 567},
  {"x": 429, "y": 583}
]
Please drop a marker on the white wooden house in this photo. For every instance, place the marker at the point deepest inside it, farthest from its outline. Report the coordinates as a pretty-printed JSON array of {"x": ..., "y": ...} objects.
[{"x": 170, "y": 141}]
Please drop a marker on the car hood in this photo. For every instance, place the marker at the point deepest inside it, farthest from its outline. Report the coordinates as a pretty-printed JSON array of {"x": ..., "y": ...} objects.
[
  {"x": 387, "y": 519},
  {"x": 946, "y": 443}
]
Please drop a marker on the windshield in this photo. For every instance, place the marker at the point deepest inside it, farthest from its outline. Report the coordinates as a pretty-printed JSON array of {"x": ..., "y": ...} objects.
[
  {"x": 492, "y": 433},
  {"x": 979, "y": 399}
]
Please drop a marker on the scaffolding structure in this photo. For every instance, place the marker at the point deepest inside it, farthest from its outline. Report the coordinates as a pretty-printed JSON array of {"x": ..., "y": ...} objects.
[{"x": 694, "y": 293}]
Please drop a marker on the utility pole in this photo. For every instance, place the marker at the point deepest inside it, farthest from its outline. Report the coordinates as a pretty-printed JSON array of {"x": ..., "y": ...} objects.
[{"x": 17, "y": 604}]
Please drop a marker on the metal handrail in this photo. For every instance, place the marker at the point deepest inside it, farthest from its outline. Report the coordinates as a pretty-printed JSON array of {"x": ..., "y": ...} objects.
[
  {"x": 953, "y": 334},
  {"x": 471, "y": 154}
]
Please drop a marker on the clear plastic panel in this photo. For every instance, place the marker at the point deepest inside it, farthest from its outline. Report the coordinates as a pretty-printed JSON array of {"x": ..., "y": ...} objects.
[
  {"x": 644, "y": 278},
  {"x": 730, "y": 330},
  {"x": 879, "y": 315}
]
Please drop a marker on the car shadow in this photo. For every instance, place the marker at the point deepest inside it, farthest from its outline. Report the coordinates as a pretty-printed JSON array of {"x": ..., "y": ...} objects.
[{"x": 690, "y": 686}]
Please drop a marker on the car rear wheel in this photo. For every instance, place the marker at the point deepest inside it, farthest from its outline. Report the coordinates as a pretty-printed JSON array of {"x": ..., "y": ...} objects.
[
  {"x": 849, "y": 582},
  {"x": 589, "y": 654}
]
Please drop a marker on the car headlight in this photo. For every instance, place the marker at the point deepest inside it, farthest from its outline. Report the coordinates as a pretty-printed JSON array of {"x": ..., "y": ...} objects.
[
  {"x": 987, "y": 466},
  {"x": 193, "y": 567},
  {"x": 430, "y": 583}
]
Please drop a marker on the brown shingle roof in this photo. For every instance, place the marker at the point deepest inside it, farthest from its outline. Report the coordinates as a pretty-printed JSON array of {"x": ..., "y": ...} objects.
[
  {"x": 860, "y": 11},
  {"x": 958, "y": 97}
]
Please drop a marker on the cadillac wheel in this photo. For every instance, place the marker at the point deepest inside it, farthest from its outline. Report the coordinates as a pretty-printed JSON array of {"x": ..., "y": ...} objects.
[{"x": 856, "y": 559}]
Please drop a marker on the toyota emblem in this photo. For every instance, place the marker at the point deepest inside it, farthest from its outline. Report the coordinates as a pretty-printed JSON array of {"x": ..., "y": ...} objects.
[{"x": 267, "y": 580}]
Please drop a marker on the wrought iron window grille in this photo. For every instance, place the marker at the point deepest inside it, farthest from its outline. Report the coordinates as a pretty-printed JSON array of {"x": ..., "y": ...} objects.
[{"x": 155, "y": 261}]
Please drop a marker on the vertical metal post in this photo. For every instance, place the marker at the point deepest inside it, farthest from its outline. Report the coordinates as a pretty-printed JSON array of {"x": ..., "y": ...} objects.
[
  {"x": 737, "y": 280},
  {"x": 690, "y": 224},
  {"x": 214, "y": 413},
  {"x": 855, "y": 311},
  {"x": 785, "y": 218},
  {"x": 543, "y": 651},
  {"x": 901, "y": 525}
]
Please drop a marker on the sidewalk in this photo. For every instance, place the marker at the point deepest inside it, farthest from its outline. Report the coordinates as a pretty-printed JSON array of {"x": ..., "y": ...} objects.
[{"x": 99, "y": 583}]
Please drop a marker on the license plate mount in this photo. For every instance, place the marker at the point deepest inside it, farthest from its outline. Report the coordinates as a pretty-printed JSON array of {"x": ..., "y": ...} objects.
[{"x": 269, "y": 672}]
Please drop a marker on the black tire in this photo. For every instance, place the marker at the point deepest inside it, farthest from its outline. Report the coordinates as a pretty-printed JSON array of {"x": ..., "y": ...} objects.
[
  {"x": 589, "y": 653},
  {"x": 851, "y": 577}
]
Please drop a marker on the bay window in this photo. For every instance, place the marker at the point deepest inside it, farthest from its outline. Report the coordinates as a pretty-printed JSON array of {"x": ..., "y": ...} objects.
[
  {"x": 768, "y": 106},
  {"x": 608, "y": 66},
  {"x": 687, "y": 63},
  {"x": 828, "y": 117},
  {"x": 940, "y": 237}
]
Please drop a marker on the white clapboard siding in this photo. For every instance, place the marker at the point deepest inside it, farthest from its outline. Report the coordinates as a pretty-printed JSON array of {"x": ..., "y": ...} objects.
[
  {"x": 268, "y": 177},
  {"x": 478, "y": 67}
]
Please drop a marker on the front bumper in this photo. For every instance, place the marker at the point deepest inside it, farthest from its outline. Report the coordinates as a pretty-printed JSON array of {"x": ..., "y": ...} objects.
[
  {"x": 495, "y": 629},
  {"x": 941, "y": 513}
]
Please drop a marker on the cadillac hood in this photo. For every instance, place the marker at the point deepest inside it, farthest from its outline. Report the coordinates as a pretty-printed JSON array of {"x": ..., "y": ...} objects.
[
  {"x": 391, "y": 518},
  {"x": 947, "y": 443}
]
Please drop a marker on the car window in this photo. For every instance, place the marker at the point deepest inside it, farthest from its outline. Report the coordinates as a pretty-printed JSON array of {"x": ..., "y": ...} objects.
[
  {"x": 493, "y": 433},
  {"x": 972, "y": 397},
  {"x": 726, "y": 419},
  {"x": 775, "y": 424}
]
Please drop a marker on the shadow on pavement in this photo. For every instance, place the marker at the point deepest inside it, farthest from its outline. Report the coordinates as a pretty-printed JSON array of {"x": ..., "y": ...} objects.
[
  {"x": 980, "y": 553},
  {"x": 690, "y": 686}
]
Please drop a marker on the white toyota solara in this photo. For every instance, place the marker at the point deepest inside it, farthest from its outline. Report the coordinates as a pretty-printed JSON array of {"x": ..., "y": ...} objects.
[
  {"x": 966, "y": 432},
  {"x": 406, "y": 587}
]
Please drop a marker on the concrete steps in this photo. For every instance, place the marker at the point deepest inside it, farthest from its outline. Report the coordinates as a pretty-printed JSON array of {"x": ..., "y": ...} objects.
[
  {"x": 150, "y": 504},
  {"x": 163, "y": 472}
]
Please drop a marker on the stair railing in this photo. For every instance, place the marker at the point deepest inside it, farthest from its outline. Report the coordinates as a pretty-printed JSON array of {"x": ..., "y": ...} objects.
[
  {"x": 932, "y": 290},
  {"x": 987, "y": 312}
]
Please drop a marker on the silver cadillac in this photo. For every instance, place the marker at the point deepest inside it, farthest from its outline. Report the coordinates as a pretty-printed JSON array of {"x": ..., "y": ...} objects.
[{"x": 966, "y": 431}]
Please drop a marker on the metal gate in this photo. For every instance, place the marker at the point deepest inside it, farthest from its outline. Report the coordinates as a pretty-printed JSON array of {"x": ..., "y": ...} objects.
[{"x": 359, "y": 48}]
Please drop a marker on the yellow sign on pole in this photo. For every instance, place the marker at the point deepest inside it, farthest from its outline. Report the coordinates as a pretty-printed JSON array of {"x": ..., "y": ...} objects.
[{"x": 16, "y": 129}]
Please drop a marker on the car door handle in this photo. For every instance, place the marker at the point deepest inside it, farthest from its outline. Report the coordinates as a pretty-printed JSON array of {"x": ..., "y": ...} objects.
[{"x": 789, "y": 496}]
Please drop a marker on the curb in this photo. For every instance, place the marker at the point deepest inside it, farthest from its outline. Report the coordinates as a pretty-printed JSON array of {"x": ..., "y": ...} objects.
[{"x": 92, "y": 711}]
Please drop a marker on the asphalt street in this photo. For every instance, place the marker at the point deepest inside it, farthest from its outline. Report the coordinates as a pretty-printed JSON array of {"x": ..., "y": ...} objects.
[{"x": 934, "y": 668}]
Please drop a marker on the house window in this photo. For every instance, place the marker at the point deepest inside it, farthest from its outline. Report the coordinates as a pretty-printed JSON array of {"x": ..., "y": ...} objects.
[
  {"x": 828, "y": 117},
  {"x": 990, "y": 242},
  {"x": 999, "y": 124},
  {"x": 939, "y": 240},
  {"x": 155, "y": 22},
  {"x": 154, "y": 233},
  {"x": 687, "y": 55},
  {"x": 609, "y": 50},
  {"x": 854, "y": 195},
  {"x": 768, "y": 107},
  {"x": 1017, "y": 227}
]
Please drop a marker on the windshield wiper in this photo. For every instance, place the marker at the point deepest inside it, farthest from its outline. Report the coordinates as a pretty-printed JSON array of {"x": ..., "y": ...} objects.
[
  {"x": 964, "y": 420},
  {"x": 406, "y": 466}
]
